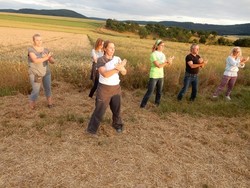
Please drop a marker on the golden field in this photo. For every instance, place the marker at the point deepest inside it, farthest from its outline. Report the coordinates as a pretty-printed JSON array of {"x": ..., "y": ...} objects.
[{"x": 200, "y": 144}]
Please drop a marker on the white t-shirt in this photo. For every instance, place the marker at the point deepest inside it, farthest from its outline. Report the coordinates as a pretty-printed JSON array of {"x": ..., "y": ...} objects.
[{"x": 109, "y": 65}]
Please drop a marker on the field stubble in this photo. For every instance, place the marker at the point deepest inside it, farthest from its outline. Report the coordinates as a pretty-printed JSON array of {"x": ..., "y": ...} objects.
[{"x": 48, "y": 148}]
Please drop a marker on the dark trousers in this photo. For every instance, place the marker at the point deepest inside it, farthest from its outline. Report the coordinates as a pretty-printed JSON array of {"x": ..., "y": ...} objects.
[
  {"x": 106, "y": 96},
  {"x": 153, "y": 82},
  {"x": 95, "y": 81},
  {"x": 189, "y": 79}
]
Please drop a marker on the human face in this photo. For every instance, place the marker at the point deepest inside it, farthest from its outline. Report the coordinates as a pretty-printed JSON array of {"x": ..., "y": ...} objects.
[
  {"x": 195, "y": 50},
  {"x": 38, "y": 41},
  {"x": 110, "y": 50},
  {"x": 160, "y": 47}
]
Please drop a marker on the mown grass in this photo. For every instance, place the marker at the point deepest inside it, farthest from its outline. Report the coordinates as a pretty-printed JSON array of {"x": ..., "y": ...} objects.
[{"x": 74, "y": 66}]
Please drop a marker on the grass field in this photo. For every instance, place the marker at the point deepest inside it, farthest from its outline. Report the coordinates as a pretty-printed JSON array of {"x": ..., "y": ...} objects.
[{"x": 200, "y": 144}]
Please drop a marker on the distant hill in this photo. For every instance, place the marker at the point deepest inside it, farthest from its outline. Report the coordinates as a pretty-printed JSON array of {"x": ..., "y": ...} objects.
[
  {"x": 238, "y": 29},
  {"x": 57, "y": 12}
]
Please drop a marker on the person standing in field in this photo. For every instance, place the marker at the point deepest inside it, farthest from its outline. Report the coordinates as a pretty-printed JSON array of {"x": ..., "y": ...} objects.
[
  {"x": 156, "y": 76},
  {"x": 233, "y": 62},
  {"x": 39, "y": 72},
  {"x": 96, "y": 52},
  {"x": 109, "y": 89},
  {"x": 193, "y": 64}
]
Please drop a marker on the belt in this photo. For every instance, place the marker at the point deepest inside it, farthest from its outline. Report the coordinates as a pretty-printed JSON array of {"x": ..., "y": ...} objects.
[{"x": 189, "y": 74}]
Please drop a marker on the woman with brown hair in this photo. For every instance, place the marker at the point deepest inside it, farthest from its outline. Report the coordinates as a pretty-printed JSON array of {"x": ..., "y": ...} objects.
[
  {"x": 95, "y": 54},
  {"x": 109, "y": 89}
]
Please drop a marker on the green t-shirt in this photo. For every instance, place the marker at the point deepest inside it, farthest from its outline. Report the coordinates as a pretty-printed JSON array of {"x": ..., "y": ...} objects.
[{"x": 156, "y": 72}]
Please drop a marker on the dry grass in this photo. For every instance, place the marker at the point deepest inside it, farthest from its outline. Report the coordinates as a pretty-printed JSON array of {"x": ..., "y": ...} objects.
[{"x": 48, "y": 147}]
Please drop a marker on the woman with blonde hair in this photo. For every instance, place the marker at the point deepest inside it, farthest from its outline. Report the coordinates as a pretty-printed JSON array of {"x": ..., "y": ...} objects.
[
  {"x": 233, "y": 62},
  {"x": 39, "y": 59}
]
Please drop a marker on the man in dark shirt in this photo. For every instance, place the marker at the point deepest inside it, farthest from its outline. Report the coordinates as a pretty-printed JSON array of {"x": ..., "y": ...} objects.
[{"x": 193, "y": 63}]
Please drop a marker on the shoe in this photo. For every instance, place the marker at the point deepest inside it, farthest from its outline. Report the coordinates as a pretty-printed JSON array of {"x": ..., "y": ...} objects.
[
  {"x": 118, "y": 128},
  {"x": 51, "y": 105},
  {"x": 228, "y": 98},
  {"x": 215, "y": 97},
  {"x": 91, "y": 134}
]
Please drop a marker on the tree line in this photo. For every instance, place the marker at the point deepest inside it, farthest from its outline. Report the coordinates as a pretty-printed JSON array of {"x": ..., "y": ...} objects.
[{"x": 177, "y": 34}]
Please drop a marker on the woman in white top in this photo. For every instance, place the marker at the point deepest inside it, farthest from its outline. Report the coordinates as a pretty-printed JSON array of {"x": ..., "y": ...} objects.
[
  {"x": 109, "y": 89},
  {"x": 233, "y": 62},
  {"x": 95, "y": 54}
]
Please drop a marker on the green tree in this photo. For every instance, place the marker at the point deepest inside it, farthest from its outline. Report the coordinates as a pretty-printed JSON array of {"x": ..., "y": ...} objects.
[
  {"x": 143, "y": 33},
  {"x": 203, "y": 39},
  {"x": 242, "y": 42}
]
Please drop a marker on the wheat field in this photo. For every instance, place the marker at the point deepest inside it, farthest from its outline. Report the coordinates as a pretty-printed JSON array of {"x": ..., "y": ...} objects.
[{"x": 48, "y": 147}]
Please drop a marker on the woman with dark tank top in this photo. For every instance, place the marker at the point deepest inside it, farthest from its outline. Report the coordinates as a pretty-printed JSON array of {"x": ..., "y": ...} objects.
[{"x": 39, "y": 72}]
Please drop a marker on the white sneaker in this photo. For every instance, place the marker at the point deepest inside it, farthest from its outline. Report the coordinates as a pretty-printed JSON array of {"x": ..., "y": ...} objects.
[
  {"x": 214, "y": 96},
  {"x": 228, "y": 98}
]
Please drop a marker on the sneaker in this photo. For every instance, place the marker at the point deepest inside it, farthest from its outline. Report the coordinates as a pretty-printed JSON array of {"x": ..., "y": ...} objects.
[
  {"x": 228, "y": 98},
  {"x": 118, "y": 128},
  {"x": 215, "y": 96}
]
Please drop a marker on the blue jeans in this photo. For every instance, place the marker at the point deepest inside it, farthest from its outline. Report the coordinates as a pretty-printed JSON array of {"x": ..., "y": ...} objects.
[
  {"x": 36, "y": 86},
  {"x": 189, "y": 79},
  {"x": 158, "y": 82}
]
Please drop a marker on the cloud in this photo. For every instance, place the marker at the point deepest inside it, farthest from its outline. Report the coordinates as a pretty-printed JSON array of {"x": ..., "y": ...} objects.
[{"x": 199, "y": 11}]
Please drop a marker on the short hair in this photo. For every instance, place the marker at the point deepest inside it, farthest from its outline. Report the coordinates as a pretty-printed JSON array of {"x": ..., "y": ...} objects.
[
  {"x": 36, "y": 35},
  {"x": 193, "y": 46}
]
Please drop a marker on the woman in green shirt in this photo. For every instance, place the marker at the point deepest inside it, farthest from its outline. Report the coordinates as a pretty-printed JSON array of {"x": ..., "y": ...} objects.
[{"x": 156, "y": 77}]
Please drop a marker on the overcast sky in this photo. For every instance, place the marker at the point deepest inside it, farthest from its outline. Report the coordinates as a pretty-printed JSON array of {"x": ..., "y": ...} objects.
[{"x": 222, "y": 12}]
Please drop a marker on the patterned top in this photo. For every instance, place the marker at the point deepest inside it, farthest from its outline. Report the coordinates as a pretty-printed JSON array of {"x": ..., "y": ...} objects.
[{"x": 39, "y": 69}]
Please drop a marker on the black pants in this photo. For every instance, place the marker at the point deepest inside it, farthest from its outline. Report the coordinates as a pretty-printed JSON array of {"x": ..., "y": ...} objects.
[
  {"x": 106, "y": 96},
  {"x": 93, "y": 89}
]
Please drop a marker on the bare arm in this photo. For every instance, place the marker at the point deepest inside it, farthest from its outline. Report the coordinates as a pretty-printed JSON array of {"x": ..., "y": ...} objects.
[
  {"x": 51, "y": 60},
  {"x": 107, "y": 73},
  {"x": 167, "y": 62},
  {"x": 35, "y": 59},
  {"x": 193, "y": 66}
]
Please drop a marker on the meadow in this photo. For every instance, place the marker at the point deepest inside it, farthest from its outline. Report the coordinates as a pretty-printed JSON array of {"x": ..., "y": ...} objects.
[{"x": 200, "y": 144}]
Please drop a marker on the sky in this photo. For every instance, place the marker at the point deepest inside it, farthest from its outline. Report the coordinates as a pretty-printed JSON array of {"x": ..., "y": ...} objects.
[{"x": 219, "y": 12}]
